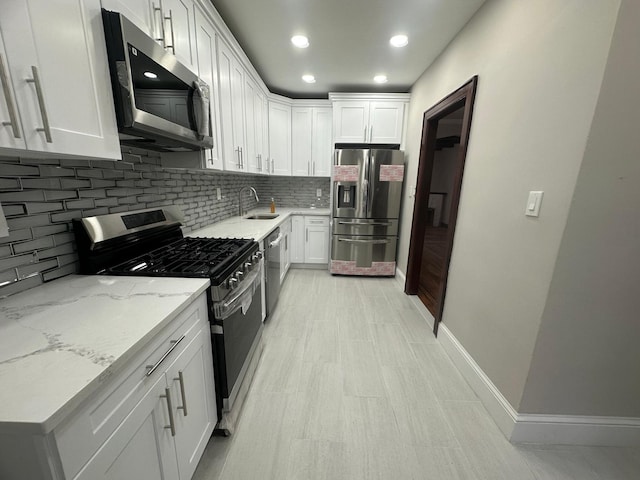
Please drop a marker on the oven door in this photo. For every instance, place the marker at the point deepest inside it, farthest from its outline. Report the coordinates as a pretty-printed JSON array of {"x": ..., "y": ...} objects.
[{"x": 236, "y": 333}]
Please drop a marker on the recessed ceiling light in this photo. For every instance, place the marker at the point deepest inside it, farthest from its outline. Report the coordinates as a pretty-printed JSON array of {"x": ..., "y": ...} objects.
[
  {"x": 399, "y": 40},
  {"x": 309, "y": 78},
  {"x": 380, "y": 79},
  {"x": 300, "y": 41},
  {"x": 150, "y": 75}
]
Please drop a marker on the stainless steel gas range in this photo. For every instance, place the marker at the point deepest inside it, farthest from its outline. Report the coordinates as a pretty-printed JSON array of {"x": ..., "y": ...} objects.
[{"x": 150, "y": 243}]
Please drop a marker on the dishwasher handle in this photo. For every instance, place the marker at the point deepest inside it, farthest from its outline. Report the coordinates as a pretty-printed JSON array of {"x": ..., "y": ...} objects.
[{"x": 277, "y": 241}]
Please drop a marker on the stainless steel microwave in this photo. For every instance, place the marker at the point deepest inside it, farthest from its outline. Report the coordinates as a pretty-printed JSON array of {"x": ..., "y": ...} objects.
[{"x": 160, "y": 104}]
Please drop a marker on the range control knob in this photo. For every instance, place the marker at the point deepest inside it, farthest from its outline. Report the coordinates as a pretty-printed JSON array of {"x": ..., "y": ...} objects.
[
  {"x": 239, "y": 275},
  {"x": 232, "y": 283},
  {"x": 257, "y": 256},
  {"x": 248, "y": 266}
]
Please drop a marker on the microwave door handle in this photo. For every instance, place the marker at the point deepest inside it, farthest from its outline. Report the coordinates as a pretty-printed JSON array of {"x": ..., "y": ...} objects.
[{"x": 201, "y": 107}]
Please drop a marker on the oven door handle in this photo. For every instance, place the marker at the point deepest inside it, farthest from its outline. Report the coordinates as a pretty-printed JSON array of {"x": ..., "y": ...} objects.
[{"x": 241, "y": 297}]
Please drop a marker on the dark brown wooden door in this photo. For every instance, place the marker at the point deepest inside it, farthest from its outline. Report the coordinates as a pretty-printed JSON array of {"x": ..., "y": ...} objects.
[{"x": 430, "y": 248}]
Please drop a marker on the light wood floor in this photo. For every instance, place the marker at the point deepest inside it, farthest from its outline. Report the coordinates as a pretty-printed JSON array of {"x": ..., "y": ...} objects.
[{"x": 353, "y": 385}]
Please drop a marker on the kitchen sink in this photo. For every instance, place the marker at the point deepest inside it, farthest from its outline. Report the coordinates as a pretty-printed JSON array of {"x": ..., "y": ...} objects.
[{"x": 262, "y": 216}]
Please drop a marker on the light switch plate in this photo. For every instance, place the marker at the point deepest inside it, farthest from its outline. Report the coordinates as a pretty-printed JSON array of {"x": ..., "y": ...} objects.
[
  {"x": 218, "y": 193},
  {"x": 533, "y": 204},
  {"x": 318, "y": 192}
]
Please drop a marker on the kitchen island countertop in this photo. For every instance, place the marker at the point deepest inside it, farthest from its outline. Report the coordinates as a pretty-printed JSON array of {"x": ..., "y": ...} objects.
[
  {"x": 59, "y": 342},
  {"x": 241, "y": 227}
]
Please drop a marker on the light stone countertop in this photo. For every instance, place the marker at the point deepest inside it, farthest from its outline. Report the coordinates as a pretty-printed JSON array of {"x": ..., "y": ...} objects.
[
  {"x": 59, "y": 342},
  {"x": 241, "y": 227}
]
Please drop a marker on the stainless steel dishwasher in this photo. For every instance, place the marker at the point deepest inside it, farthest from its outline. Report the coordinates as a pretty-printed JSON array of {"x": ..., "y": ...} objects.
[{"x": 272, "y": 247}]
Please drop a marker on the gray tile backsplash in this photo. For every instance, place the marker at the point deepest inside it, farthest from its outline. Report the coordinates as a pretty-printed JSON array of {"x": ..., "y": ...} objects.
[{"x": 40, "y": 197}]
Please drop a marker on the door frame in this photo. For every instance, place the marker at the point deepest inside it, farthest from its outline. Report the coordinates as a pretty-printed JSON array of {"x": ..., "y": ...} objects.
[{"x": 462, "y": 97}]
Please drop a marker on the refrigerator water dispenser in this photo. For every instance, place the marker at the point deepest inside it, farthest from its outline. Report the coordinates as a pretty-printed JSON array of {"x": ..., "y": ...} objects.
[{"x": 346, "y": 196}]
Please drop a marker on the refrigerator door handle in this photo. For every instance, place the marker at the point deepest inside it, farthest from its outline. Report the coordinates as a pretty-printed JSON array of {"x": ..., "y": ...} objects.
[
  {"x": 353, "y": 240},
  {"x": 377, "y": 224},
  {"x": 365, "y": 195}
]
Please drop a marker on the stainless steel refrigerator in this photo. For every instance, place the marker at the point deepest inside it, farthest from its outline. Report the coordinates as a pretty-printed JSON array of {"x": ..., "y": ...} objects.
[{"x": 365, "y": 206}]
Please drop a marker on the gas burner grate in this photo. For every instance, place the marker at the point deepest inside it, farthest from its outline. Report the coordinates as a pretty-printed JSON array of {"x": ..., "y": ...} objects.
[{"x": 198, "y": 257}]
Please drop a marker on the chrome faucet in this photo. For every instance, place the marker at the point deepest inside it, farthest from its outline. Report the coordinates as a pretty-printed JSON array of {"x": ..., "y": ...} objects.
[{"x": 241, "y": 211}]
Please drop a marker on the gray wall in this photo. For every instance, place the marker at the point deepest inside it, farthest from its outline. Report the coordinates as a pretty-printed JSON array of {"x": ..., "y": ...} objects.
[
  {"x": 40, "y": 197},
  {"x": 540, "y": 66},
  {"x": 587, "y": 358}
]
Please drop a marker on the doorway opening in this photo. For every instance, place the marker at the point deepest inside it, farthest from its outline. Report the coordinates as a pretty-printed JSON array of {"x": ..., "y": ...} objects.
[{"x": 443, "y": 149}]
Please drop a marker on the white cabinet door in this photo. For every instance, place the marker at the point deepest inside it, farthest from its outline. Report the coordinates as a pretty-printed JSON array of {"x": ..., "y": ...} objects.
[
  {"x": 297, "y": 239},
  {"x": 316, "y": 247},
  {"x": 301, "y": 141},
  {"x": 141, "y": 447},
  {"x": 260, "y": 130},
  {"x": 311, "y": 142},
  {"x": 11, "y": 135},
  {"x": 231, "y": 107},
  {"x": 350, "y": 121},
  {"x": 322, "y": 142},
  {"x": 58, "y": 66},
  {"x": 207, "y": 70},
  {"x": 179, "y": 31},
  {"x": 368, "y": 121},
  {"x": 251, "y": 158},
  {"x": 190, "y": 378},
  {"x": 140, "y": 12},
  {"x": 280, "y": 138},
  {"x": 386, "y": 121}
]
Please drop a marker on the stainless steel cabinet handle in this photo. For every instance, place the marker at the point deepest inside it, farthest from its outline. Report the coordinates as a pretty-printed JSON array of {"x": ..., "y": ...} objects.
[
  {"x": 365, "y": 133},
  {"x": 173, "y": 40},
  {"x": 241, "y": 158},
  {"x": 238, "y": 157},
  {"x": 43, "y": 110},
  {"x": 258, "y": 163},
  {"x": 182, "y": 407},
  {"x": 152, "y": 368},
  {"x": 308, "y": 169},
  {"x": 307, "y": 235},
  {"x": 156, "y": 10},
  {"x": 314, "y": 169},
  {"x": 371, "y": 133},
  {"x": 353, "y": 240},
  {"x": 273, "y": 167},
  {"x": 11, "y": 106},
  {"x": 172, "y": 423}
]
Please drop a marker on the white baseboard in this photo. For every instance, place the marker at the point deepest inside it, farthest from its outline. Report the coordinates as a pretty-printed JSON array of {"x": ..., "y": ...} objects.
[{"x": 537, "y": 428}]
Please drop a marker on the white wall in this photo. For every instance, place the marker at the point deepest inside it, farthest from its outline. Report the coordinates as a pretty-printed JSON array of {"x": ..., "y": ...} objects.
[
  {"x": 587, "y": 357},
  {"x": 540, "y": 66}
]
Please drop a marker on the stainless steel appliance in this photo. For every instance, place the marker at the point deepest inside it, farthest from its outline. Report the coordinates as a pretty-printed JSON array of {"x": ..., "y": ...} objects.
[
  {"x": 272, "y": 255},
  {"x": 160, "y": 104},
  {"x": 150, "y": 243},
  {"x": 366, "y": 194}
]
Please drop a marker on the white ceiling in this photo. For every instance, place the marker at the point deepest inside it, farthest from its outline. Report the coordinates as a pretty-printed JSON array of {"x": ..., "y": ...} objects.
[{"x": 349, "y": 40}]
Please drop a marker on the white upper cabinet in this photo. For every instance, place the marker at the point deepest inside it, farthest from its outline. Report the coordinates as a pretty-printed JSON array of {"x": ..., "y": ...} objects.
[
  {"x": 11, "y": 135},
  {"x": 176, "y": 27},
  {"x": 207, "y": 70},
  {"x": 378, "y": 119},
  {"x": 279, "y": 138},
  {"x": 140, "y": 12},
  {"x": 231, "y": 108},
  {"x": 311, "y": 145},
  {"x": 55, "y": 79},
  {"x": 261, "y": 130}
]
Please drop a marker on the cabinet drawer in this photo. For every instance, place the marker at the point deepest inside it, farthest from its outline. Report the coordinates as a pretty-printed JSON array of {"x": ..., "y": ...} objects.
[
  {"x": 315, "y": 221},
  {"x": 93, "y": 423}
]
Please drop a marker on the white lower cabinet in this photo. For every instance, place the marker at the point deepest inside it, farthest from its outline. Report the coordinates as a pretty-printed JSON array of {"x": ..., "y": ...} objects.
[
  {"x": 309, "y": 239},
  {"x": 148, "y": 427},
  {"x": 141, "y": 447},
  {"x": 285, "y": 249}
]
